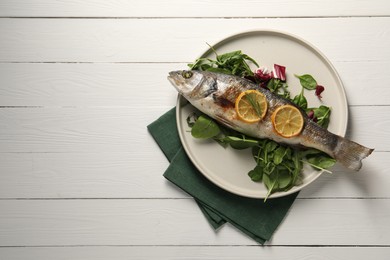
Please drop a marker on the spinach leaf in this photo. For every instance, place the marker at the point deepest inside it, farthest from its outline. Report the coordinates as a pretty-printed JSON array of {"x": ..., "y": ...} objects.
[
  {"x": 307, "y": 81},
  {"x": 284, "y": 179},
  {"x": 309, "y": 152},
  {"x": 219, "y": 70},
  {"x": 279, "y": 154},
  {"x": 322, "y": 161},
  {"x": 239, "y": 143},
  {"x": 205, "y": 127},
  {"x": 233, "y": 63},
  {"x": 279, "y": 87},
  {"x": 271, "y": 183},
  {"x": 297, "y": 168},
  {"x": 322, "y": 114},
  {"x": 201, "y": 64},
  {"x": 256, "y": 174},
  {"x": 300, "y": 100}
]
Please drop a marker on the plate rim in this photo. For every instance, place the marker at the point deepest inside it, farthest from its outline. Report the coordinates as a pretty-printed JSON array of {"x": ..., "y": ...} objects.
[{"x": 181, "y": 101}]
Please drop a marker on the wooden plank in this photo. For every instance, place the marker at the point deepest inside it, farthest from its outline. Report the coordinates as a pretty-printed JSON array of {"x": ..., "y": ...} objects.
[
  {"x": 120, "y": 40},
  {"x": 64, "y": 84},
  {"x": 85, "y": 175},
  {"x": 192, "y": 8},
  {"x": 194, "y": 252},
  {"x": 168, "y": 222},
  {"x": 114, "y": 84},
  {"x": 78, "y": 129},
  {"x": 123, "y": 129},
  {"x": 125, "y": 175}
]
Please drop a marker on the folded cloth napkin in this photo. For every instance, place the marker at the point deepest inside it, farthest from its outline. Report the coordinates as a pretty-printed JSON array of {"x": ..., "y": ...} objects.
[{"x": 253, "y": 217}]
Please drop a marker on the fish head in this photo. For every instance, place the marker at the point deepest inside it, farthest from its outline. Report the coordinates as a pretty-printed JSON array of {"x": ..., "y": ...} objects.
[{"x": 192, "y": 84}]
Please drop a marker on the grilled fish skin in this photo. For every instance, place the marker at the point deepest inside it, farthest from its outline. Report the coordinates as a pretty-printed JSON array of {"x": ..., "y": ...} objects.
[{"x": 214, "y": 94}]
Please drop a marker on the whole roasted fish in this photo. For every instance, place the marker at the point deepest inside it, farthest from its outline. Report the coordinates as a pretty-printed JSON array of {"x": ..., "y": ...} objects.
[{"x": 215, "y": 94}]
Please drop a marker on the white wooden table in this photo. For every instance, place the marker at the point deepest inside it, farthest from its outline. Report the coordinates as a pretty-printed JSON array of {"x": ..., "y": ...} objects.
[{"x": 81, "y": 178}]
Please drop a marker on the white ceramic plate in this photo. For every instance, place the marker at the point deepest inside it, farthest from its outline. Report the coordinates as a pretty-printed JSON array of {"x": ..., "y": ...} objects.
[{"x": 227, "y": 167}]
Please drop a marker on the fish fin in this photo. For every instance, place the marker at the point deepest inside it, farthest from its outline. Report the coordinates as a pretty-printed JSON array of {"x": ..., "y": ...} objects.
[{"x": 351, "y": 154}]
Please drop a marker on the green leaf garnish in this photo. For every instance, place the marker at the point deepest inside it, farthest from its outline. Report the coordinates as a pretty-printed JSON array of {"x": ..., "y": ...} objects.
[
  {"x": 256, "y": 174},
  {"x": 322, "y": 114},
  {"x": 204, "y": 127},
  {"x": 232, "y": 63},
  {"x": 307, "y": 81},
  {"x": 240, "y": 142},
  {"x": 300, "y": 100},
  {"x": 322, "y": 161}
]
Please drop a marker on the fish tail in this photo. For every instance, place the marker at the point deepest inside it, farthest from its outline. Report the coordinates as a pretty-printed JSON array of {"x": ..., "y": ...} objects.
[{"x": 351, "y": 154}]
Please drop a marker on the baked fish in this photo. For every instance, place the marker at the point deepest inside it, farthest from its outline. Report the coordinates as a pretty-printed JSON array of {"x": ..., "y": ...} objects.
[{"x": 215, "y": 94}]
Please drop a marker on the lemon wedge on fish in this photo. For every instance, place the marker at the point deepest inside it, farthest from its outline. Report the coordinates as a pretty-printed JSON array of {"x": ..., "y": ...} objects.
[
  {"x": 251, "y": 106},
  {"x": 287, "y": 121}
]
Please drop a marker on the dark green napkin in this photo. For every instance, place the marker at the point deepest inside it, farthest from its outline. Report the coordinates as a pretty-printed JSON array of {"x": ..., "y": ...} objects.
[{"x": 255, "y": 218}]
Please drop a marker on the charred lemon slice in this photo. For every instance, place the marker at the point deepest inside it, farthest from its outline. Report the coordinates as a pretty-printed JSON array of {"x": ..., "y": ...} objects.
[
  {"x": 251, "y": 106},
  {"x": 287, "y": 121}
]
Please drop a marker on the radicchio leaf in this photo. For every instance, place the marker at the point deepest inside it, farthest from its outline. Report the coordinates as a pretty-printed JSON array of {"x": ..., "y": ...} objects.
[
  {"x": 263, "y": 75},
  {"x": 319, "y": 90},
  {"x": 280, "y": 72},
  {"x": 311, "y": 116}
]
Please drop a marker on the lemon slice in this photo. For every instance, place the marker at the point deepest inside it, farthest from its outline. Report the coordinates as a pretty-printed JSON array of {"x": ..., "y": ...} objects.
[
  {"x": 287, "y": 121},
  {"x": 251, "y": 106}
]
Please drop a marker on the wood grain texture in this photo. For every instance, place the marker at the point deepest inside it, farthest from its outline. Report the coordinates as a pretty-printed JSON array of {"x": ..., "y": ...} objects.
[
  {"x": 140, "y": 40},
  {"x": 195, "y": 253},
  {"x": 168, "y": 222},
  {"x": 119, "y": 84},
  {"x": 192, "y": 8}
]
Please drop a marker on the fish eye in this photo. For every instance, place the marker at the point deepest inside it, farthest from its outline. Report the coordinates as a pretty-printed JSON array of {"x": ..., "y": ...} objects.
[{"x": 187, "y": 74}]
